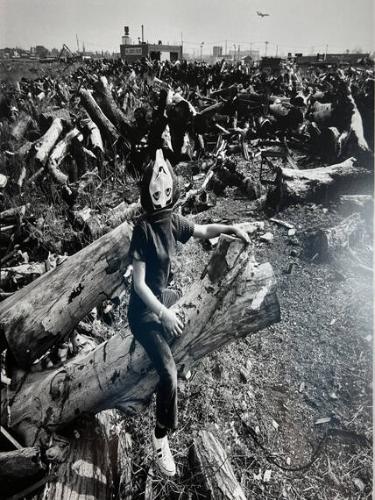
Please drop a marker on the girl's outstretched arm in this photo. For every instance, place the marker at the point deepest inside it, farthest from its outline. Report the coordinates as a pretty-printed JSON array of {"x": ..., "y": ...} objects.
[
  {"x": 207, "y": 231},
  {"x": 167, "y": 316}
]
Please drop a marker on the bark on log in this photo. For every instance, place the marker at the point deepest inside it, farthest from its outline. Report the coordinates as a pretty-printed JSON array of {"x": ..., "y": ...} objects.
[
  {"x": 95, "y": 136},
  {"x": 47, "y": 116},
  {"x": 327, "y": 242},
  {"x": 47, "y": 141},
  {"x": 86, "y": 473},
  {"x": 111, "y": 109},
  {"x": 87, "y": 220},
  {"x": 124, "y": 466},
  {"x": 356, "y": 126},
  {"x": 20, "y": 273},
  {"x": 46, "y": 311},
  {"x": 58, "y": 154},
  {"x": 318, "y": 184},
  {"x": 97, "y": 115},
  {"x": 20, "y": 464},
  {"x": 120, "y": 444},
  {"x": 13, "y": 215},
  {"x": 211, "y": 460},
  {"x": 20, "y": 127},
  {"x": 234, "y": 298},
  {"x": 123, "y": 212}
]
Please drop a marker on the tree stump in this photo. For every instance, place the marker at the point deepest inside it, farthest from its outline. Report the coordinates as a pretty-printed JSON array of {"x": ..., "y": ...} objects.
[
  {"x": 211, "y": 460},
  {"x": 86, "y": 473},
  {"x": 328, "y": 242}
]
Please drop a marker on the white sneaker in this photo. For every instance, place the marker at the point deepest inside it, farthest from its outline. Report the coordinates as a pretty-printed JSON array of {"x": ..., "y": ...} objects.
[{"x": 163, "y": 455}]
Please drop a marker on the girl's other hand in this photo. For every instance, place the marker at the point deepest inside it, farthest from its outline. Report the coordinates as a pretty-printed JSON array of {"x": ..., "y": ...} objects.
[{"x": 172, "y": 322}]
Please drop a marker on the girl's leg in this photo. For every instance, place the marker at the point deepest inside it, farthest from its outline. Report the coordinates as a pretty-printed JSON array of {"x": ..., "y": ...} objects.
[{"x": 161, "y": 356}]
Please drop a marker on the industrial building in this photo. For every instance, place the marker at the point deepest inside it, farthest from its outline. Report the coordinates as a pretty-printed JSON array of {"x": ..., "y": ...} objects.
[
  {"x": 217, "y": 51},
  {"x": 131, "y": 52},
  {"x": 352, "y": 59}
]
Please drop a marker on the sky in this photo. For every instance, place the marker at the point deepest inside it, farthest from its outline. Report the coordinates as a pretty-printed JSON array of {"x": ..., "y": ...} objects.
[{"x": 306, "y": 26}]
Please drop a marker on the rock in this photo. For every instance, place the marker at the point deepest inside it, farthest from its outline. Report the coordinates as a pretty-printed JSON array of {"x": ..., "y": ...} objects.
[
  {"x": 267, "y": 476},
  {"x": 294, "y": 241},
  {"x": 3, "y": 180},
  {"x": 267, "y": 237},
  {"x": 360, "y": 484},
  {"x": 244, "y": 375}
]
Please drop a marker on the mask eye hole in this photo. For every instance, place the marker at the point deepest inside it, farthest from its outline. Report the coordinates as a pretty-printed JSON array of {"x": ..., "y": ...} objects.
[
  {"x": 168, "y": 191},
  {"x": 156, "y": 195}
]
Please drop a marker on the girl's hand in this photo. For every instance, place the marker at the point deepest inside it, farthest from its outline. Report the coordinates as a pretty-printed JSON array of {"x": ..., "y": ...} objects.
[
  {"x": 171, "y": 322},
  {"x": 241, "y": 234}
]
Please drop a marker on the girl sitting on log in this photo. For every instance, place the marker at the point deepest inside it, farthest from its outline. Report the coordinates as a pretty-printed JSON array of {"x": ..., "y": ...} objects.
[{"x": 151, "y": 317}]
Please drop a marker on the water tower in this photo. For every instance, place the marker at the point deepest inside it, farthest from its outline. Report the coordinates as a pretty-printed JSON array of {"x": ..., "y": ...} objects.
[{"x": 126, "y": 40}]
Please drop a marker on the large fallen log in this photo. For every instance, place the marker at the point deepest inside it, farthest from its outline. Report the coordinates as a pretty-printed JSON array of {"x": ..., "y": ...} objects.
[
  {"x": 212, "y": 464},
  {"x": 94, "y": 135},
  {"x": 97, "y": 115},
  {"x": 110, "y": 108},
  {"x": 58, "y": 154},
  {"x": 45, "y": 144},
  {"x": 20, "y": 464},
  {"x": 327, "y": 242},
  {"x": 46, "y": 311},
  {"x": 234, "y": 298},
  {"x": 318, "y": 184}
]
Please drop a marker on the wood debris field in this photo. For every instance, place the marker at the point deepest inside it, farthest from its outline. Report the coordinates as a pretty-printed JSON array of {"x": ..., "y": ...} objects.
[{"x": 278, "y": 334}]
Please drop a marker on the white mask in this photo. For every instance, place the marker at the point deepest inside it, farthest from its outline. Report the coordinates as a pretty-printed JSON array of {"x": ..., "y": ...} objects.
[{"x": 161, "y": 183}]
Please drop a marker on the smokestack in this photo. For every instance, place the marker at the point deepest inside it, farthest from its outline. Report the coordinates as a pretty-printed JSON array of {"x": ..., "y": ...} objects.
[{"x": 143, "y": 38}]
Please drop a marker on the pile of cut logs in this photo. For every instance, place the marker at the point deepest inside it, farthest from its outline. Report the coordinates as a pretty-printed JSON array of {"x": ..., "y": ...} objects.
[{"x": 70, "y": 139}]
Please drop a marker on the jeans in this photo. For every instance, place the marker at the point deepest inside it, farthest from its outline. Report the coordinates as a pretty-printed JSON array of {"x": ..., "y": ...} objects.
[{"x": 151, "y": 335}]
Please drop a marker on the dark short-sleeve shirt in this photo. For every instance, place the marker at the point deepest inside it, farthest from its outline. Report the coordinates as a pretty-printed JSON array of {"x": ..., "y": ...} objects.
[{"x": 154, "y": 241}]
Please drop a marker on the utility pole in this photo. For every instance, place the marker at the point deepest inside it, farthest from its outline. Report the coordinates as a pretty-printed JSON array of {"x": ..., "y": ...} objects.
[
  {"x": 277, "y": 50},
  {"x": 226, "y": 49},
  {"x": 265, "y": 48},
  {"x": 77, "y": 43}
]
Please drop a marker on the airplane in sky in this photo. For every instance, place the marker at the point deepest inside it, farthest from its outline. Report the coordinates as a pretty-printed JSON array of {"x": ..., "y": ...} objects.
[{"x": 261, "y": 14}]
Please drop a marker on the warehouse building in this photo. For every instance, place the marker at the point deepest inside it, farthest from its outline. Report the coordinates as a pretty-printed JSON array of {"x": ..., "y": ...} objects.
[{"x": 131, "y": 52}]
